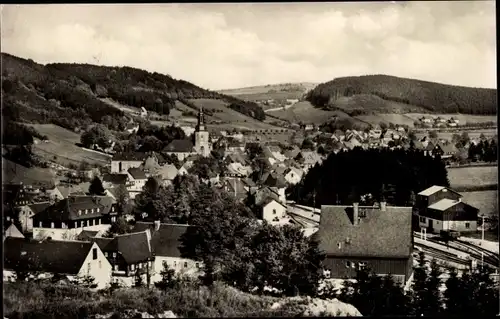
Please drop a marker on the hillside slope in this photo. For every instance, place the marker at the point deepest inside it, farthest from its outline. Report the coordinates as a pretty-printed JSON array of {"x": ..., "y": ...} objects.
[
  {"x": 271, "y": 91},
  {"x": 433, "y": 97},
  {"x": 70, "y": 95}
]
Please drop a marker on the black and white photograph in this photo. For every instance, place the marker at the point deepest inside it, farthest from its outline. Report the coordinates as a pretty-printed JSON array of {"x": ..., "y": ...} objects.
[{"x": 268, "y": 159}]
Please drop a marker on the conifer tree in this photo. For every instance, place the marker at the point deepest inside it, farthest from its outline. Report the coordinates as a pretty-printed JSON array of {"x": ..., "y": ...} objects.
[{"x": 96, "y": 187}]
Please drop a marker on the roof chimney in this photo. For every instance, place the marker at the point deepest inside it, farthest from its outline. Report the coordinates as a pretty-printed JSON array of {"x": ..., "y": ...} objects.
[
  {"x": 383, "y": 205},
  {"x": 157, "y": 225},
  {"x": 355, "y": 213}
]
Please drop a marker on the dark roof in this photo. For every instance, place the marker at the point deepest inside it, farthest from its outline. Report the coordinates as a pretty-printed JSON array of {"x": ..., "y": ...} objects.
[
  {"x": 379, "y": 234},
  {"x": 165, "y": 241},
  {"x": 137, "y": 173},
  {"x": 130, "y": 156},
  {"x": 274, "y": 180},
  {"x": 134, "y": 247},
  {"x": 67, "y": 209},
  {"x": 179, "y": 146},
  {"x": 116, "y": 179},
  {"x": 63, "y": 257},
  {"x": 39, "y": 207},
  {"x": 87, "y": 235}
]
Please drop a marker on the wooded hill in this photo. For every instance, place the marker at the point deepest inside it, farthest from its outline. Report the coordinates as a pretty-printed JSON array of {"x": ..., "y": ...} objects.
[
  {"x": 433, "y": 97},
  {"x": 69, "y": 94}
]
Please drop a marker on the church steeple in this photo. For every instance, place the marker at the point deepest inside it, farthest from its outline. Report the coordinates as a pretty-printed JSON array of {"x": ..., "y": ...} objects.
[{"x": 201, "y": 120}]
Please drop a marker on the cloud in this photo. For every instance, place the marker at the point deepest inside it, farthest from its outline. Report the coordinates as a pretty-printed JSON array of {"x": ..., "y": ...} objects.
[{"x": 235, "y": 45}]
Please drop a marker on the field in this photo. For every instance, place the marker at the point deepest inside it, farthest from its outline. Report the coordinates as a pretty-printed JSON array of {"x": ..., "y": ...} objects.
[
  {"x": 373, "y": 103},
  {"x": 472, "y": 133},
  {"x": 394, "y": 118},
  {"x": 61, "y": 148},
  {"x": 124, "y": 108},
  {"x": 15, "y": 173},
  {"x": 228, "y": 118},
  {"x": 463, "y": 118},
  {"x": 274, "y": 91},
  {"x": 473, "y": 176},
  {"x": 486, "y": 201}
]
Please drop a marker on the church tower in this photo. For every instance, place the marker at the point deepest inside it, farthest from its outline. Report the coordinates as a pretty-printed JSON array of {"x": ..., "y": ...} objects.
[{"x": 201, "y": 136}]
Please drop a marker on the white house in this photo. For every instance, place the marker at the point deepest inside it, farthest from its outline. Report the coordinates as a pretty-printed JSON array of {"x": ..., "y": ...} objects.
[
  {"x": 165, "y": 243},
  {"x": 144, "y": 113},
  {"x": 121, "y": 162},
  {"x": 26, "y": 213},
  {"x": 293, "y": 175},
  {"x": 272, "y": 210},
  {"x": 136, "y": 181},
  {"x": 67, "y": 259}
]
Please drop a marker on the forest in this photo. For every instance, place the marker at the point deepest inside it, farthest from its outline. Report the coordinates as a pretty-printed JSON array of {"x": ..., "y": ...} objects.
[
  {"x": 434, "y": 97},
  {"x": 70, "y": 95},
  {"x": 397, "y": 175}
]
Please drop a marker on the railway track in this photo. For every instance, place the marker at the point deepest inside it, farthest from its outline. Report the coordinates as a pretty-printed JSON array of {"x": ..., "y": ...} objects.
[
  {"x": 445, "y": 260},
  {"x": 474, "y": 252}
]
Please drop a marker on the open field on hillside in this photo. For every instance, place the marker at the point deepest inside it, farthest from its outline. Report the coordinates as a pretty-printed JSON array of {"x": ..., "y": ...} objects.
[
  {"x": 373, "y": 103},
  {"x": 394, "y": 118},
  {"x": 473, "y": 176},
  {"x": 270, "y": 96},
  {"x": 471, "y": 133},
  {"x": 12, "y": 172},
  {"x": 486, "y": 201},
  {"x": 228, "y": 118},
  {"x": 124, "y": 108},
  {"x": 61, "y": 148},
  {"x": 463, "y": 118}
]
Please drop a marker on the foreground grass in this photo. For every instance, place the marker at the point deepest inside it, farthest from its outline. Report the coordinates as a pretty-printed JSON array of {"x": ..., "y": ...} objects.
[{"x": 45, "y": 300}]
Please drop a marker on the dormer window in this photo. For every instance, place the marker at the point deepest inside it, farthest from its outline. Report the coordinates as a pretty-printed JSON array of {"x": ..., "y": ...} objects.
[
  {"x": 339, "y": 245},
  {"x": 92, "y": 210},
  {"x": 98, "y": 209},
  {"x": 79, "y": 212},
  {"x": 86, "y": 211}
]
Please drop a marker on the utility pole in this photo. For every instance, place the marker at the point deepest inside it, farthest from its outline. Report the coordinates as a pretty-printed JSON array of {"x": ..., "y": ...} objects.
[{"x": 482, "y": 230}]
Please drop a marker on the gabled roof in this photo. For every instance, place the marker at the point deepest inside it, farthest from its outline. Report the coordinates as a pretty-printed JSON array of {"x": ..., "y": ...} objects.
[
  {"x": 134, "y": 247},
  {"x": 115, "y": 179},
  {"x": 168, "y": 171},
  {"x": 179, "y": 146},
  {"x": 235, "y": 184},
  {"x": 12, "y": 231},
  {"x": 269, "y": 200},
  {"x": 137, "y": 173},
  {"x": 448, "y": 148},
  {"x": 379, "y": 234},
  {"x": 274, "y": 180},
  {"x": 434, "y": 189},
  {"x": 130, "y": 156},
  {"x": 86, "y": 235},
  {"x": 67, "y": 209},
  {"x": 63, "y": 257},
  {"x": 444, "y": 204},
  {"x": 165, "y": 241},
  {"x": 39, "y": 207},
  {"x": 293, "y": 152}
]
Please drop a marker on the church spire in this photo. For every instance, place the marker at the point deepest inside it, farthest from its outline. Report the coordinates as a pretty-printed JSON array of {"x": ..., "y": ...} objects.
[{"x": 201, "y": 120}]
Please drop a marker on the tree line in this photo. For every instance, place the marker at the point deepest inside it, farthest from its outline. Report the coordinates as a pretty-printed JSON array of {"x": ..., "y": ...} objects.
[
  {"x": 435, "y": 97},
  {"x": 399, "y": 173}
]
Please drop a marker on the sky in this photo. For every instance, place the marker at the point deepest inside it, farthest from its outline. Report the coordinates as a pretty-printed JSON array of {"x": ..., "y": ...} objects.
[{"x": 233, "y": 45}]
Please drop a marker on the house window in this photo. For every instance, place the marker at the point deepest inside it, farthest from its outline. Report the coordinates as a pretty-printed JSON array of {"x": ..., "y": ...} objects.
[
  {"x": 63, "y": 225},
  {"x": 361, "y": 265},
  {"x": 91, "y": 222},
  {"x": 132, "y": 267},
  {"x": 422, "y": 219},
  {"x": 116, "y": 267},
  {"x": 100, "y": 264},
  {"x": 52, "y": 225},
  {"x": 113, "y": 208},
  {"x": 98, "y": 221},
  {"x": 98, "y": 209},
  {"x": 114, "y": 255},
  {"x": 86, "y": 211},
  {"x": 175, "y": 264},
  {"x": 76, "y": 224},
  {"x": 79, "y": 212},
  {"x": 140, "y": 266},
  {"x": 274, "y": 211},
  {"x": 92, "y": 210},
  {"x": 348, "y": 264},
  {"x": 467, "y": 225},
  {"x": 106, "y": 254},
  {"x": 40, "y": 224},
  {"x": 88, "y": 267},
  {"x": 94, "y": 253},
  {"x": 185, "y": 264},
  {"x": 339, "y": 245}
]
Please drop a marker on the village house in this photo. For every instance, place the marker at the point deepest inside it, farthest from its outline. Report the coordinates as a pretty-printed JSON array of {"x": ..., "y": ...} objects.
[
  {"x": 441, "y": 208},
  {"x": 275, "y": 152},
  {"x": 308, "y": 159},
  {"x": 132, "y": 128},
  {"x": 115, "y": 180},
  {"x": 235, "y": 187},
  {"x": 271, "y": 210},
  {"x": 67, "y": 218},
  {"x": 165, "y": 243},
  {"x": 136, "y": 181},
  {"x": 129, "y": 254},
  {"x": 143, "y": 113},
  {"x": 293, "y": 175},
  {"x": 26, "y": 212},
  {"x": 238, "y": 170},
  {"x": 54, "y": 258},
  {"x": 12, "y": 231},
  {"x": 354, "y": 237},
  {"x": 121, "y": 162},
  {"x": 168, "y": 173}
]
